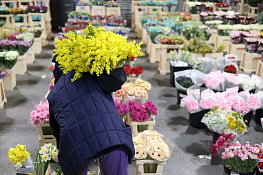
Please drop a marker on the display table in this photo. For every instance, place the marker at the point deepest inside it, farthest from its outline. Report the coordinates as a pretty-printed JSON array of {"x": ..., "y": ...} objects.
[
  {"x": 3, "y": 99},
  {"x": 253, "y": 11},
  {"x": 223, "y": 40},
  {"x": 237, "y": 49},
  {"x": 97, "y": 10},
  {"x": 260, "y": 69},
  {"x": 10, "y": 79},
  {"x": 165, "y": 57},
  {"x": 249, "y": 62},
  {"x": 144, "y": 36},
  {"x": 213, "y": 37},
  {"x": 21, "y": 65},
  {"x": 113, "y": 11}
]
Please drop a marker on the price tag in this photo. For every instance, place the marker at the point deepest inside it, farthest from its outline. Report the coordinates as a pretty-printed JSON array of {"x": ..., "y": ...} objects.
[{"x": 82, "y": 8}]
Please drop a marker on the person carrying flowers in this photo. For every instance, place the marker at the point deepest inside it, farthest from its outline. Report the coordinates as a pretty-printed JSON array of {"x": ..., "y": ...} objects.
[{"x": 83, "y": 115}]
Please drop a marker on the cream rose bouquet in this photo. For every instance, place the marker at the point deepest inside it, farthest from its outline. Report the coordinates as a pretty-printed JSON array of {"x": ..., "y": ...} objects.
[{"x": 138, "y": 89}]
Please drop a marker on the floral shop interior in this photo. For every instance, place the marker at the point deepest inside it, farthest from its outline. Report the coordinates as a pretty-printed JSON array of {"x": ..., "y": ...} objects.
[{"x": 138, "y": 87}]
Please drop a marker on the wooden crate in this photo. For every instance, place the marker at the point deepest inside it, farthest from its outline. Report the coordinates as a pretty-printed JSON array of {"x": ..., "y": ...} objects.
[
  {"x": 10, "y": 79},
  {"x": 30, "y": 56},
  {"x": 134, "y": 126},
  {"x": 45, "y": 138},
  {"x": 155, "y": 52},
  {"x": 212, "y": 39},
  {"x": 260, "y": 69},
  {"x": 243, "y": 8},
  {"x": 148, "y": 44},
  {"x": 41, "y": 22},
  {"x": 223, "y": 39},
  {"x": 164, "y": 64},
  {"x": 249, "y": 62},
  {"x": 7, "y": 18},
  {"x": 97, "y": 10},
  {"x": 252, "y": 11},
  {"x": 113, "y": 11},
  {"x": 237, "y": 49},
  {"x": 4, "y": 4},
  {"x": 37, "y": 46},
  {"x": 29, "y": 2},
  {"x": 144, "y": 36},
  {"x": 3, "y": 99},
  {"x": 83, "y": 8},
  {"x": 138, "y": 13},
  {"x": 21, "y": 65},
  {"x": 140, "y": 168},
  {"x": 139, "y": 30},
  {"x": 25, "y": 22}
]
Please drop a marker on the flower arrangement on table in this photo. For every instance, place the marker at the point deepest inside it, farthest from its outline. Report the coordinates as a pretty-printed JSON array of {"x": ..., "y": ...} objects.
[
  {"x": 196, "y": 7},
  {"x": 40, "y": 114},
  {"x": 224, "y": 121},
  {"x": 195, "y": 45},
  {"x": 133, "y": 71},
  {"x": 112, "y": 4},
  {"x": 224, "y": 30},
  {"x": 150, "y": 145},
  {"x": 8, "y": 59},
  {"x": 16, "y": 11},
  {"x": 28, "y": 37},
  {"x": 37, "y": 9},
  {"x": 222, "y": 4},
  {"x": 19, "y": 157},
  {"x": 98, "y": 56},
  {"x": 137, "y": 89},
  {"x": 20, "y": 46},
  {"x": 4, "y": 12},
  {"x": 213, "y": 23},
  {"x": 170, "y": 39},
  {"x": 196, "y": 30},
  {"x": 76, "y": 15},
  {"x": 239, "y": 158}
]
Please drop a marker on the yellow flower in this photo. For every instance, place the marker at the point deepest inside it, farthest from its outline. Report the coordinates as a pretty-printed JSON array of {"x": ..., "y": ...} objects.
[
  {"x": 94, "y": 51},
  {"x": 18, "y": 154}
]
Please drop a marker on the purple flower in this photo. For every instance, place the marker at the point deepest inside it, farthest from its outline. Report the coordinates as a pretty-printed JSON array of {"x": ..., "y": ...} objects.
[
  {"x": 4, "y": 43},
  {"x": 24, "y": 44},
  {"x": 13, "y": 43}
]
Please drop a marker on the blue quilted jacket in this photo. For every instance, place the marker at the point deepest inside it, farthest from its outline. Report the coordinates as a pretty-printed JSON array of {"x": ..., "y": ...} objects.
[{"x": 88, "y": 121}]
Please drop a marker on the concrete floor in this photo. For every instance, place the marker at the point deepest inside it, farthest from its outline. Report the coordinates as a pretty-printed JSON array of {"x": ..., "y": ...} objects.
[{"x": 191, "y": 152}]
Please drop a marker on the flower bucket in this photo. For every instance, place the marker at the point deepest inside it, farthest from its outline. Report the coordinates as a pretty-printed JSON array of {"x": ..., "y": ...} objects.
[
  {"x": 252, "y": 173},
  {"x": 195, "y": 119},
  {"x": 227, "y": 170},
  {"x": 248, "y": 117},
  {"x": 180, "y": 95},
  {"x": 36, "y": 17},
  {"x": 259, "y": 115},
  {"x": 152, "y": 167},
  {"x": 215, "y": 138}
]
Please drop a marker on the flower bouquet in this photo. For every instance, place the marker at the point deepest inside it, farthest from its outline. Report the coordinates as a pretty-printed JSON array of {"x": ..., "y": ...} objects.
[
  {"x": 219, "y": 121},
  {"x": 137, "y": 90},
  {"x": 231, "y": 68},
  {"x": 92, "y": 55},
  {"x": 150, "y": 151},
  {"x": 133, "y": 72},
  {"x": 43, "y": 158},
  {"x": 240, "y": 158},
  {"x": 40, "y": 114},
  {"x": 19, "y": 157},
  {"x": 4, "y": 45}
]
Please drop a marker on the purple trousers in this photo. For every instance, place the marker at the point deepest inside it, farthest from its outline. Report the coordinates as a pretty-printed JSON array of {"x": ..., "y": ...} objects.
[{"x": 113, "y": 163}]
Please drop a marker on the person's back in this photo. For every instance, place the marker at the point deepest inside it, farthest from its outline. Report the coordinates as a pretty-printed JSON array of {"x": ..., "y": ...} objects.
[{"x": 88, "y": 120}]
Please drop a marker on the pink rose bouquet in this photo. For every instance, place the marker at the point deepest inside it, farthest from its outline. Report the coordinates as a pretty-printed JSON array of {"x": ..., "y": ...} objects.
[
  {"x": 240, "y": 105},
  {"x": 190, "y": 103},
  {"x": 40, "y": 115},
  {"x": 254, "y": 102}
]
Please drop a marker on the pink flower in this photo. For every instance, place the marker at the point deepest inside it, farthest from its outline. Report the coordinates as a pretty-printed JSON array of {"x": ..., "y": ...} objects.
[
  {"x": 254, "y": 102},
  {"x": 207, "y": 103}
]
